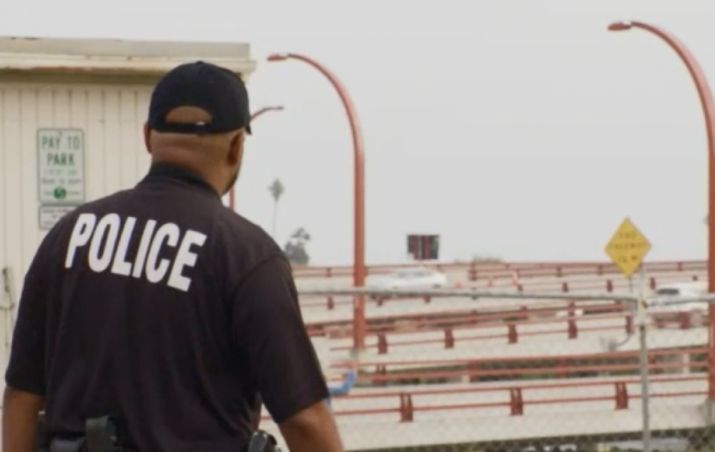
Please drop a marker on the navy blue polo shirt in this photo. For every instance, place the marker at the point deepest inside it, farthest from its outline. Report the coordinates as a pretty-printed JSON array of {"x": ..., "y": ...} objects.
[{"x": 162, "y": 307}]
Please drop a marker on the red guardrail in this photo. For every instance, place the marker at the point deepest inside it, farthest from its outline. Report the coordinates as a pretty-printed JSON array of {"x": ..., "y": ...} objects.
[
  {"x": 559, "y": 365},
  {"x": 515, "y": 373},
  {"x": 449, "y": 321},
  {"x": 406, "y": 407},
  {"x": 481, "y": 270},
  {"x": 562, "y": 286},
  {"x": 621, "y": 397}
]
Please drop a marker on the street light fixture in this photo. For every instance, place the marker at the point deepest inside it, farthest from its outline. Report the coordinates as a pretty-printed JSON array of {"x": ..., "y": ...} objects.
[
  {"x": 359, "y": 272},
  {"x": 277, "y": 57},
  {"x": 620, "y": 26}
]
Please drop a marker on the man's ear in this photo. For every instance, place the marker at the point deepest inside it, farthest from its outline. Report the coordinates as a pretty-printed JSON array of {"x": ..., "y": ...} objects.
[
  {"x": 147, "y": 137},
  {"x": 235, "y": 151}
]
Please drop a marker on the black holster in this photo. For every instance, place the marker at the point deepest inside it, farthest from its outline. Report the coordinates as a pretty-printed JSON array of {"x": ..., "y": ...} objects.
[
  {"x": 263, "y": 442},
  {"x": 100, "y": 436}
]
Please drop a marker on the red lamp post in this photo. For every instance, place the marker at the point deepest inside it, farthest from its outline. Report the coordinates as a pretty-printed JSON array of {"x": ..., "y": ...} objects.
[
  {"x": 254, "y": 115},
  {"x": 708, "y": 106},
  {"x": 359, "y": 323}
]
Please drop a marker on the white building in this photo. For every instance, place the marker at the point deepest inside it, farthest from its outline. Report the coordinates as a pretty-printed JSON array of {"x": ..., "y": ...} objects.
[{"x": 71, "y": 114}]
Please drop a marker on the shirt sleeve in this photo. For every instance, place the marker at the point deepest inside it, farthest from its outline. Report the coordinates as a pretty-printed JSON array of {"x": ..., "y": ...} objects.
[
  {"x": 26, "y": 368},
  {"x": 269, "y": 330}
]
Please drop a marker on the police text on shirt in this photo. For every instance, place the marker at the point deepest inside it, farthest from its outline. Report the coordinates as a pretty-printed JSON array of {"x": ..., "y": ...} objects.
[{"x": 109, "y": 240}]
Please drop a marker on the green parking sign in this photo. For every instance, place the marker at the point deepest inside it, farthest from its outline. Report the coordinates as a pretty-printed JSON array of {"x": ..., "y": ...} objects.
[{"x": 60, "y": 163}]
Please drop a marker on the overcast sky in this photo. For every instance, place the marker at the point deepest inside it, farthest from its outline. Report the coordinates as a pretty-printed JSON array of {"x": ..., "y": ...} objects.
[{"x": 520, "y": 129}]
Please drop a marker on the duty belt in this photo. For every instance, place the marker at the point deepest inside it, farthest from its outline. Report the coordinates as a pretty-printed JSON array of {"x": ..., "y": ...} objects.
[{"x": 100, "y": 436}]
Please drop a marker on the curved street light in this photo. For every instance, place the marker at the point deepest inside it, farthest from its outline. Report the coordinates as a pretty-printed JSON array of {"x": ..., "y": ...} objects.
[
  {"x": 359, "y": 325},
  {"x": 708, "y": 106},
  {"x": 254, "y": 115}
]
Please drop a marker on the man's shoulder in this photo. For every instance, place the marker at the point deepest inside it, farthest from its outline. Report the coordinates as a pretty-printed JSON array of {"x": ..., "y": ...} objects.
[
  {"x": 236, "y": 228},
  {"x": 55, "y": 240},
  {"x": 97, "y": 205},
  {"x": 243, "y": 243}
]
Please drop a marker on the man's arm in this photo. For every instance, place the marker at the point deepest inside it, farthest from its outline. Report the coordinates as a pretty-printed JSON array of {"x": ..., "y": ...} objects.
[
  {"x": 312, "y": 430},
  {"x": 19, "y": 420},
  {"x": 284, "y": 368},
  {"x": 25, "y": 374}
]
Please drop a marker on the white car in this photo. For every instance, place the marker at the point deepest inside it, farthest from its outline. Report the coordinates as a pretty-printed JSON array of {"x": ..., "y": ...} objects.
[
  {"x": 418, "y": 278},
  {"x": 695, "y": 311},
  {"x": 680, "y": 290}
]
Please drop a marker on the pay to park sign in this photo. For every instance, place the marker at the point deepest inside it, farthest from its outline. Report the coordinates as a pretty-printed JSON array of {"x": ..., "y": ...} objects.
[
  {"x": 60, "y": 173},
  {"x": 60, "y": 161},
  {"x": 627, "y": 247}
]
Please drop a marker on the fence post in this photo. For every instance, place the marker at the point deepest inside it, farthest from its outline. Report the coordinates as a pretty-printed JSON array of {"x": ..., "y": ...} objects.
[
  {"x": 406, "y": 408},
  {"x": 516, "y": 402},
  {"x": 644, "y": 361},
  {"x": 448, "y": 338},
  {"x": 621, "y": 396},
  {"x": 684, "y": 320},
  {"x": 381, "y": 344},
  {"x": 572, "y": 327},
  {"x": 629, "y": 323},
  {"x": 513, "y": 335}
]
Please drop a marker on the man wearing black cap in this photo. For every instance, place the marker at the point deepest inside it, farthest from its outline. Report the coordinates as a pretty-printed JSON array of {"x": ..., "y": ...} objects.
[{"x": 162, "y": 308}]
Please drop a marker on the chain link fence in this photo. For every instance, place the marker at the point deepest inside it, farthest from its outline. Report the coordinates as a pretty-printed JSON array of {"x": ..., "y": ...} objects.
[{"x": 512, "y": 370}]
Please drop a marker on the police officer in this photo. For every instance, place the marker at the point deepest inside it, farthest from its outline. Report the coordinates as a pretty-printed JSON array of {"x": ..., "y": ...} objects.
[{"x": 162, "y": 308}]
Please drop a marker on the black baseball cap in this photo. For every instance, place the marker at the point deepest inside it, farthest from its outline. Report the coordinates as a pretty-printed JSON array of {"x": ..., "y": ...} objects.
[{"x": 215, "y": 89}]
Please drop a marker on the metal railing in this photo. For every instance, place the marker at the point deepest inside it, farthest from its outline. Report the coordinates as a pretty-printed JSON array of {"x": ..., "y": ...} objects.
[
  {"x": 484, "y": 270},
  {"x": 664, "y": 367}
]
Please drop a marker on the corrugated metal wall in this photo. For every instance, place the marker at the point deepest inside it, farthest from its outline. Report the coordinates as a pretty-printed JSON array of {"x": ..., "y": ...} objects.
[{"x": 111, "y": 116}]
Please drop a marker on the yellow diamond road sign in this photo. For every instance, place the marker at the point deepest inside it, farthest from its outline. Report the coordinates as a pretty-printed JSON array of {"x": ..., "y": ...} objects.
[{"x": 627, "y": 247}]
